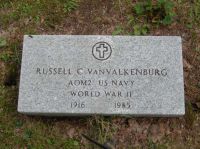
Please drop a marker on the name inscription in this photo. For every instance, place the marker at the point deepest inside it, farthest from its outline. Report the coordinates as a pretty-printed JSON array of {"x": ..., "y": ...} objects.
[
  {"x": 89, "y": 71},
  {"x": 122, "y": 93}
]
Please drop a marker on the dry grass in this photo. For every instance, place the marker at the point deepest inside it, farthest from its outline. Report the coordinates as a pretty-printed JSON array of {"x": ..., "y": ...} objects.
[{"x": 19, "y": 17}]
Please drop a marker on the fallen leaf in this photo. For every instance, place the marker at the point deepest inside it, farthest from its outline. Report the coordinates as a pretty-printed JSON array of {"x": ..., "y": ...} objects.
[
  {"x": 71, "y": 132},
  {"x": 186, "y": 64}
]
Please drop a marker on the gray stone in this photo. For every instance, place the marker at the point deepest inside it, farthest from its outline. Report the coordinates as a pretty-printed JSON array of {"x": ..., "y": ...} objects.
[{"x": 110, "y": 75}]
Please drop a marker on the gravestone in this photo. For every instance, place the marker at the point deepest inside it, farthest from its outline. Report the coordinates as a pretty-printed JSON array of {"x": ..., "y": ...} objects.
[{"x": 66, "y": 75}]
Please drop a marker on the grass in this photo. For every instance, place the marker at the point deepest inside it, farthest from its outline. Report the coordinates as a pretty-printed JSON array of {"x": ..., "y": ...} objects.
[
  {"x": 119, "y": 30},
  {"x": 5, "y": 57},
  {"x": 191, "y": 15},
  {"x": 19, "y": 132},
  {"x": 144, "y": 15},
  {"x": 152, "y": 145},
  {"x": 100, "y": 129},
  {"x": 190, "y": 116},
  {"x": 36, "y": 12},
  {"x": 11, "y": 54},
  {"x": 19, "y": 17},
  {"x": 2, "y": 42},
  {"x": 194, "y": 14},
  {"x": 159, "y": 12}
]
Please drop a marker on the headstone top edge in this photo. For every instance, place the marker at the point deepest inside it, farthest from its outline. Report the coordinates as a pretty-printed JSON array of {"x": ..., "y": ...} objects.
[{"x": 25, "y": 36}]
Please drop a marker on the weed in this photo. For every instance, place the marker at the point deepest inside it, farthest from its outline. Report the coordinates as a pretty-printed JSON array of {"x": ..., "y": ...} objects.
[
  {"x": 15, "y": 48},
  {"x": 71, "y": 144},
  {"x": 197, "y": 50},
  {"x": 5, "y": 57},
  {"x": 11, "y": 51},
  {"x": 28, "y": 134},
  {"x": 118, "y": 30},
  {"x": 37, "y": 12},
  {"x": 148, "y": 13},
  {"x": 70, "y": 5},
  {"x": 18, "y": 124},
  {"x": 140, "y": 29},
  {"x": 137, "y": 28},
  {"x": 10, "y": 56},
  {"x": 8, "y": 67},
  {"x": 194, "y": 14},
  {"x": 152, "y": 145},
  {"x": 131, "y": 20},
  {"x": 100, "y": 129},
  {"x": 2, "y": 42},
  {"x": 160, "y": 12},
  {"x": 50, "y": 141},
  {"x": 190, "y": 116}
]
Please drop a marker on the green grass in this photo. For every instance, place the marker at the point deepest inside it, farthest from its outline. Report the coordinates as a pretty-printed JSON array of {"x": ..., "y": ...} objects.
[
  {"x": 100, "y": 129},
  {"x": 146, "y": 14},
  {"x": 190, "y": 115},
  {"x": 3, "y": 42},
  {"x": 24, "y": 17},
  {"x": 11, "y": 51},
  {"x": 19, "y": 17},
  {"x": 20, "y": 132},
  {"x": 118, "y": 30},
  {"x": 152, "y": 145},
  {"x": 160, "y": 12},
  {"x": 189, "y": 13},
  {"x": 36, "y": 12},
  {"x": 5, "y": 57},
  {"x": 194, "y": 14}
]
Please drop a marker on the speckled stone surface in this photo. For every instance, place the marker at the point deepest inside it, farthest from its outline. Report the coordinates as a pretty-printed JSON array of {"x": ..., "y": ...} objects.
[{"x": 67, "y": 75}]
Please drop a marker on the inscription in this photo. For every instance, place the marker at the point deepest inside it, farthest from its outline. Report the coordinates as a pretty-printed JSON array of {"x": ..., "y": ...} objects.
[
  {"x": 78, "y": 105},
  {"x": 79, "y": 83},
  {"x": 86, "y": 75},
  {"x": 88, "y": 71},
  {"x": 104, "y": 93},
  {"x": 122, "y": 105},
  {"x": 76, "y": 94}
]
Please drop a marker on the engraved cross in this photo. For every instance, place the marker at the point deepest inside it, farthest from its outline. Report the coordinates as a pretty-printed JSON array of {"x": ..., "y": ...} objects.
[{"x": 102, "y": 49}]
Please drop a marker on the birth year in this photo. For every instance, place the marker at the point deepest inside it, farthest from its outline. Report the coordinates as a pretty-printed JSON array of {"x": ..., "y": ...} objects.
[{"x": 78, "y": 105}]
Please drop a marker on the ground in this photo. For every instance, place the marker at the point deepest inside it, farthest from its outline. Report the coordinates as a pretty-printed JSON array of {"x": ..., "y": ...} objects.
[{"x": 98, "y": 17}]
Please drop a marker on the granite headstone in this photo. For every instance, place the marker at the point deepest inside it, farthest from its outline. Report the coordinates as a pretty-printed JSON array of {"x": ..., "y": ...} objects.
[{"x": 70, "y": 75}]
